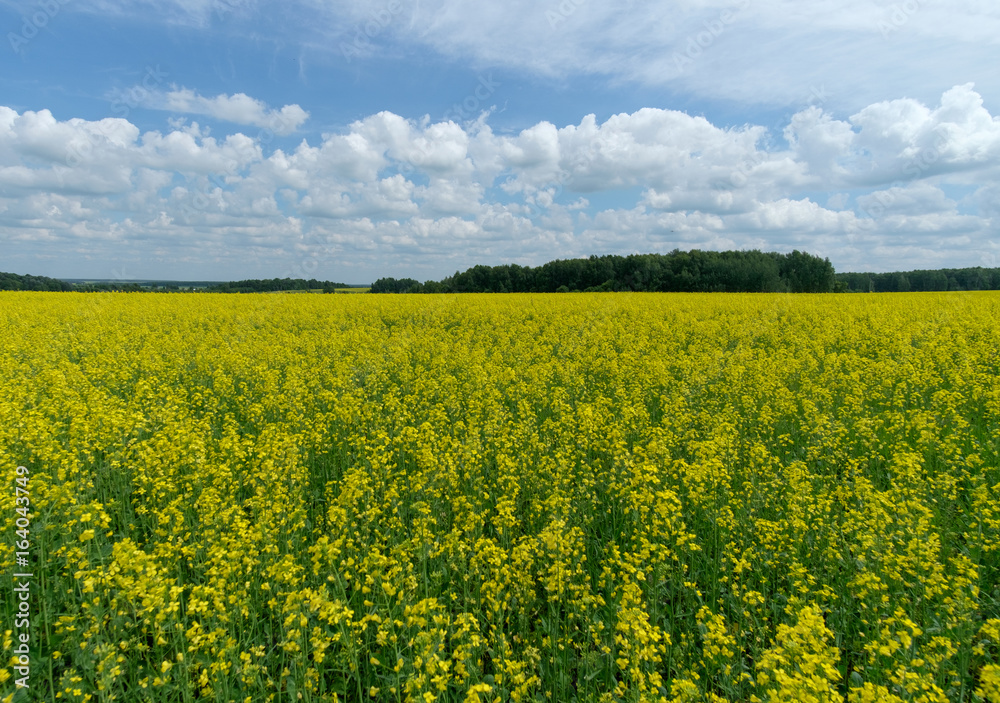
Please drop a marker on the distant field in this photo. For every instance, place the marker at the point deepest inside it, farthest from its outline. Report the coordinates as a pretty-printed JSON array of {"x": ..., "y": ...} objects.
[
  {"x": 320, "y": 290},
  {"x": 183, "y": 285},
  {"x": 592, "y": 497}
]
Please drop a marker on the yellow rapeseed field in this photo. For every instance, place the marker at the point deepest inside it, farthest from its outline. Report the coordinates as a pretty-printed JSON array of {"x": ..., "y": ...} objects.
[{"x": 606, "y": 497}]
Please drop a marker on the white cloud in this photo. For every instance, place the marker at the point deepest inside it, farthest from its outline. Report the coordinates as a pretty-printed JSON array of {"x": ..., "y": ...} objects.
[
  {"x": 390, "y": 192},
  {"x": 189, "y": 13},
  {"x": 731, "y": 49},
  {"x": 914, "y": 199},
  {"x": 239, "y": 109},
  {"x": 777, "y": 52},
  {"x": 907, "y": 137}
]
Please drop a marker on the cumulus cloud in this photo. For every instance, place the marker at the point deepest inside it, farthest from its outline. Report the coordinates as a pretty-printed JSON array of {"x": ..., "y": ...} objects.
[
  {"x": 914, "y": 199},
  {"x": 904, "y": 135},
  {"x": 239, "y": 109},
  {"x": 393, "y": 195}
]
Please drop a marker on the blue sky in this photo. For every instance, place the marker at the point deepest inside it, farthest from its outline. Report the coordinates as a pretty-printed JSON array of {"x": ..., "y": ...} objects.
[{"x": 223, "y": 139}]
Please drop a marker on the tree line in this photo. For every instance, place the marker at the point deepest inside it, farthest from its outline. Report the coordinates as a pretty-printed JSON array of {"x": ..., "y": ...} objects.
[
  {"x": 976, "y": 278},
  {"x": 274, "y": 285},
  {"x": 14, "y": 281},
  {"x": 678, "y": 271}
]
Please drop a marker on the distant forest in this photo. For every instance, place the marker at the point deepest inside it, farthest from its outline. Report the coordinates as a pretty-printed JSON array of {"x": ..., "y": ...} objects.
[
  {"x": 694, "y": 271},
  {"x": 13, "y": 281},
  {"x": 940, "y": 279},
  {"x": 274, "y": 285},
  {"x": 678, "y": 271}
]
